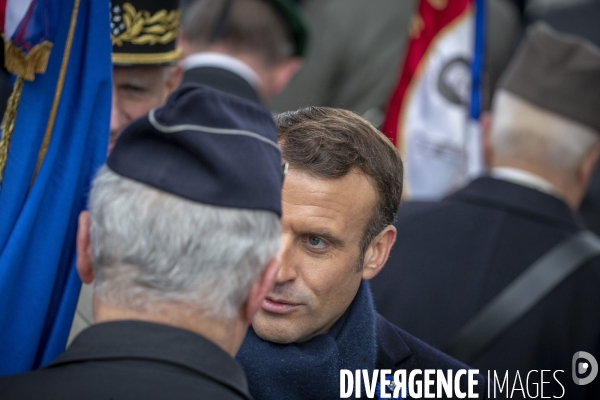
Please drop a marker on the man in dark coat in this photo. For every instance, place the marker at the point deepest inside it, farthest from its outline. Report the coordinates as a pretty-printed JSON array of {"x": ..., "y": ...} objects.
[
  {"x": 453, "y": 257},
  {"x": 181, "y": 242},
  {"x": 340, "y": 198},
  {"x": 250, "y": 48}
]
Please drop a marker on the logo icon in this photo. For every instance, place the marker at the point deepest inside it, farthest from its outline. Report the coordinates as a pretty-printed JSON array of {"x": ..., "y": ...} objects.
[{"x": 582, "y": 367}]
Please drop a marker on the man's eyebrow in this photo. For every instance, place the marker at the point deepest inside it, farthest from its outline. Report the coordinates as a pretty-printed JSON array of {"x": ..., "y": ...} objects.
[{"x": 328, "y": 236}]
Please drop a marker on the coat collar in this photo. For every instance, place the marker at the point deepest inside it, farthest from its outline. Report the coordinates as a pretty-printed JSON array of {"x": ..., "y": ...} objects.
[
  {"x": 151, "y": 341},
  {"x": 392, "y": 349},
  {"x": 224, "y": 61},
  {"x": 519, "y": 199},
  {"x": 222, "y": 79}
]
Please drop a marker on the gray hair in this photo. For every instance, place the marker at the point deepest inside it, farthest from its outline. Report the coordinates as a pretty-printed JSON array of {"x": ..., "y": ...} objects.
[
  {"x": 523, "y": 131},
  {"x": 149, "y": 246}
]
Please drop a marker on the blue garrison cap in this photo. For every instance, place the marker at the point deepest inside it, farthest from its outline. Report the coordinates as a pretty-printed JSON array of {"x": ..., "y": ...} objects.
[{"x": 206, "y": 146}]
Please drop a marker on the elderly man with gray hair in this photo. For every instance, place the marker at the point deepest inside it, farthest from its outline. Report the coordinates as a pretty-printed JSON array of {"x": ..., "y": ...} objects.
[
  {"x": 181, "y": 239},
  {"x": 502, "y": 274}
]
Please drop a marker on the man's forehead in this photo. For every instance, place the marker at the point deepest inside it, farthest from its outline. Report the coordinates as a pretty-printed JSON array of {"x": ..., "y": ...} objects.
[
  {"x": 336, "y": 204},
  {"x": 137, "y": 74},
  {"x": 355, "y": 178}
]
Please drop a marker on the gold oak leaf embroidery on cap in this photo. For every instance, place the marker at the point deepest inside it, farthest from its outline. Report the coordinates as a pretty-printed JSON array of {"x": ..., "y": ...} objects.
[{"x": 140, "y": 27}]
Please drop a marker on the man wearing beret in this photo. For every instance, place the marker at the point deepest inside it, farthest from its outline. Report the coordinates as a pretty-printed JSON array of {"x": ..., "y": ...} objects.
[
  {"x": 340, "y": 198},
  {"x": 454, "y": 257},
  {"x": 145, "y": 71},
  {"x": 181, "y": 240},
  {"x": 250, "y": 48}
]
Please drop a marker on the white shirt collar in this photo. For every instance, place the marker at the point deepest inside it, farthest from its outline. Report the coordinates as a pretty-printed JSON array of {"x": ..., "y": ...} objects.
[
  {"x": 524, "y": 178},
  {"x": 219, "y": 60}
]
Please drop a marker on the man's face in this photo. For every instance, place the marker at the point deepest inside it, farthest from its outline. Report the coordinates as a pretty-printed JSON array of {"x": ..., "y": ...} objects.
[
  {"x": 136, "y": 90},
  {"x": 322, "y": 225}
]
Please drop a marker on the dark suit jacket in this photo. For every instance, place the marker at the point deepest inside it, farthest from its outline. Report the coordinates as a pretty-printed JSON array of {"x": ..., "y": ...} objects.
[
  {"x": 133, "y": 360},
  {"x": 398, "y": 350},
  {"x": 222, "y": 79},
  {"x": 452, "y": 257}
]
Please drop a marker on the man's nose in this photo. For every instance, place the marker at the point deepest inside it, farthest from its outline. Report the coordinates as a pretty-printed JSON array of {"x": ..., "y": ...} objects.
[{"x": 287, "y": 271}]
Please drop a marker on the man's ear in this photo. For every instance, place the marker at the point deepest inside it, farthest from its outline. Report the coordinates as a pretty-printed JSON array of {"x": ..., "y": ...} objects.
[
  {"x": 283, "y": 74},
  {"x": 587, "y": 167},
  {"x": 181, "y": 44},
  {"x": 84, "y": 249},
  {"x": 260, "y": 288},
  {"x": 378, "y": 252},
  {"x": 486, "y": 137},
  {"x": 174, "y": 79}
]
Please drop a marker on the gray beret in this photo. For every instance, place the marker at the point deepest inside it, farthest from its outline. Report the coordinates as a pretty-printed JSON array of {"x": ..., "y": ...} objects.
[{"x": 557, "y": 72}]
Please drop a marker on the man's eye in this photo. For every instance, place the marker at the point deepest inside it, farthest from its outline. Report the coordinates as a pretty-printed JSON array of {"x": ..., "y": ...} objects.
[
  {"x": 133, "y": 88},
  {"x": 316, "y": 241}
]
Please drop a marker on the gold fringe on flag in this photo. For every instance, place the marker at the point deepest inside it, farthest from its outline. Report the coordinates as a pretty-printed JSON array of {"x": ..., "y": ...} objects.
[
  {"x": 24, "y": 67},
  {"x": 8, "y": 123},
  {"x": 27, "y": 66}
]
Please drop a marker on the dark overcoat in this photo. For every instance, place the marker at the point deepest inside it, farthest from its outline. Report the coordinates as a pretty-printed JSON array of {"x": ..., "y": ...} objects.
[
  {"x": 453, "y": 256},
  {"x": 398, "y": 350},
  {"x": 133, "y": 360}
]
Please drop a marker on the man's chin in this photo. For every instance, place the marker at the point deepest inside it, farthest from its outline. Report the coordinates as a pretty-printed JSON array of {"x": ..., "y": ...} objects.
[{"x": 274, "y": 328}]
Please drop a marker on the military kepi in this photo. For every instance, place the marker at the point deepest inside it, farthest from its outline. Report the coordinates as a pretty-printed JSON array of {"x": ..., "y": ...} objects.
[
  {"x": 144, "y": 32},
  {"x": 206, "y": 146},
  {"x": 557, "y": 72}
]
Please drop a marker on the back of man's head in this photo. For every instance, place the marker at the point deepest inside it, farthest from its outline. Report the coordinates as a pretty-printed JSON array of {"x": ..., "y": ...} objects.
[
  {"x": 184, "y": 218},
  {"x": 520, "y": 130},
  {"x": 251, "y": 27},
  {"x": 545, "y": 116},
  {"x": 151, "y": 247}
]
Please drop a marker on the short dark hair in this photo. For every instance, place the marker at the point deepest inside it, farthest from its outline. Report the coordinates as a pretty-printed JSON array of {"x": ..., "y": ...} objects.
[
  {"x": 329, "y": 142},
  {"x": 252, "y": 26}
]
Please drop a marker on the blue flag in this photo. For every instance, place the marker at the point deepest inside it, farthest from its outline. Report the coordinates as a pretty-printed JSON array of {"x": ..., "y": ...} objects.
[{"x": 59, "y": 140}]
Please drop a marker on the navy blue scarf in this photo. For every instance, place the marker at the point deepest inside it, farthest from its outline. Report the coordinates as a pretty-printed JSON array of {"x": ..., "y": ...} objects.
[{"x": 311, "y": 370}]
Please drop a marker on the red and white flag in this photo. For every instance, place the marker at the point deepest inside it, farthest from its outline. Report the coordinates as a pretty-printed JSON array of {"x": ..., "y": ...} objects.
[{"x": 432, "y": 116}]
